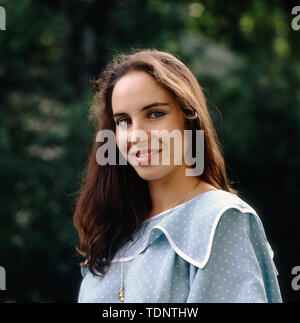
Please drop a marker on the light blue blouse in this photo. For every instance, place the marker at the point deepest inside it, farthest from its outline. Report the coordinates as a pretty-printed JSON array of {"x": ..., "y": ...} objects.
[{"x": 212, "y": 248}]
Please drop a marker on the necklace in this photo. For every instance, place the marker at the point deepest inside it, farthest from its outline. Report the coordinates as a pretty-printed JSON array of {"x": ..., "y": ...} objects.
[{"x": 122, "y": 290}]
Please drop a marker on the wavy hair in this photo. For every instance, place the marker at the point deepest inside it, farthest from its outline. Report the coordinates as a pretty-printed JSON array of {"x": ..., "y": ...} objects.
[{"x": 113, "y": 200}]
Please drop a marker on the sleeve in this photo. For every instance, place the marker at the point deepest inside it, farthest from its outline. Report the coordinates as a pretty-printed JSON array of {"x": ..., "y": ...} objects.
[
  {"x": 240, "y": 268},
  {"x": 82, "y": 288},
  {"x": 81, "y": 293}
]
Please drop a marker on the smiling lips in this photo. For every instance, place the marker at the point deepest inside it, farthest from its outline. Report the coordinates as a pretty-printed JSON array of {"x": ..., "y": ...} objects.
[{"x": 145, "y": 155}]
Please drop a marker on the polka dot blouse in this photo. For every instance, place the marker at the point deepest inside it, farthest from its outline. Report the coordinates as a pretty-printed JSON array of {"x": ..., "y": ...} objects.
[{"x": 212, "y": 248}]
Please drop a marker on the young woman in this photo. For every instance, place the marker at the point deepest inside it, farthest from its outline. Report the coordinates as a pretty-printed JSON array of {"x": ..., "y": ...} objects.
[{"x": 152, "y": 232}]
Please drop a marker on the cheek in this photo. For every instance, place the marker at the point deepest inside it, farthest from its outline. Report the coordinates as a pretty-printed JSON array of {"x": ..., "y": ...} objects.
[
  {"x": 175, "y": 122},
  {"x": 178, "y": 145},
  {"x": 121, "y": 141},
  {"x": 117, "y": 138}
]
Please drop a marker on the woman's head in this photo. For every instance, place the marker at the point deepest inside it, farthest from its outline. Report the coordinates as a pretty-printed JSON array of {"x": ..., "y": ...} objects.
[
  {"x": 142, "y": 91},
  {"x": 135, "y": 81}
]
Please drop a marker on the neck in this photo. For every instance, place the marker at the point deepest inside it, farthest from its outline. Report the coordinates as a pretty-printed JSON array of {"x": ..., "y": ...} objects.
[{"x": 170, "y": 190}]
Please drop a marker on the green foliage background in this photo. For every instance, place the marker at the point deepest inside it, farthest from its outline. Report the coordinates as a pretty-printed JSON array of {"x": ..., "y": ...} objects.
[{"x": 245, "y": 55}]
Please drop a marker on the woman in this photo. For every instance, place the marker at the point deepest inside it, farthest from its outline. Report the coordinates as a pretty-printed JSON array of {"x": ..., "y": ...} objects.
[{"x": 149, "y": 230}]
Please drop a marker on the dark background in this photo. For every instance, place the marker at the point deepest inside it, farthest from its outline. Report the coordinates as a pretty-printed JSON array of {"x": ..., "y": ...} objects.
[{"x": 245, "y": 55}]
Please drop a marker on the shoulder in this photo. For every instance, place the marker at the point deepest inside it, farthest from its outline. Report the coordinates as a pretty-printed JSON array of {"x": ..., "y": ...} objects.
[
  {"x": 218, "y": 201},
  {"x": 208, "y": 209},
  {"x": 191, "y": 229}
]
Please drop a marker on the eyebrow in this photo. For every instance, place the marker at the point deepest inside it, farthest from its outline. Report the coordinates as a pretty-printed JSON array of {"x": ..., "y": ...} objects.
[{"x": 155, "y": 104}]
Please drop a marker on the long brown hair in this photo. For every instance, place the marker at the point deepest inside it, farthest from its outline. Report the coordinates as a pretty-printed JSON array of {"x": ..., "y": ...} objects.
[{"x": 113, "y": 200}]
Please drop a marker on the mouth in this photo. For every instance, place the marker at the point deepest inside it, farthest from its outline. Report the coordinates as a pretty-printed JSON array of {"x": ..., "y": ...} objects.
[{"x": 146, "y": 155}]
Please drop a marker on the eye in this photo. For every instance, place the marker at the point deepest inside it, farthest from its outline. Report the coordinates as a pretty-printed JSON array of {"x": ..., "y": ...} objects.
[
  {"x": 122, "y": 122},
  {"x": 157, "y": 114}
]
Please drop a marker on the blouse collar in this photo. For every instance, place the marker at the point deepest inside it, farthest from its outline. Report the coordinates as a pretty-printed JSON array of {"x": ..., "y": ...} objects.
[{"x": 189, "y": 228}]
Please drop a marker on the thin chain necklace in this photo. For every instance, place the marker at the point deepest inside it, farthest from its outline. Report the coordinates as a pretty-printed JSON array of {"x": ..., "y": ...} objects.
[{"x": 122, "y": 290}]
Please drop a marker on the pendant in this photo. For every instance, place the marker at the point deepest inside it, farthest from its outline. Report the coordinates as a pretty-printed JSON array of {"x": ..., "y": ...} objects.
[{"x": 121, "y": 294}]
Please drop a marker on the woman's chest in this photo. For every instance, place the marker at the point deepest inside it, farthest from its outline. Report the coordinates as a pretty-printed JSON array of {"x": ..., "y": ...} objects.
[{"x": 156, "y": 275}]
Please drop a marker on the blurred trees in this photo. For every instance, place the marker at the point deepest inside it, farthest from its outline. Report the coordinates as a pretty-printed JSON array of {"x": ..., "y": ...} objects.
[{"x": 244, "y": 54}]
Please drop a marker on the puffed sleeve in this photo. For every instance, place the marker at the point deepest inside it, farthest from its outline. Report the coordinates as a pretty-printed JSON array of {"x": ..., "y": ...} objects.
[{"x": 240, "y": 267}]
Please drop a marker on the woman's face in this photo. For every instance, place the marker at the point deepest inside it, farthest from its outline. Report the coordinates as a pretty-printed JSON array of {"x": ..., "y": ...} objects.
[{"x": 142, "y": 108}]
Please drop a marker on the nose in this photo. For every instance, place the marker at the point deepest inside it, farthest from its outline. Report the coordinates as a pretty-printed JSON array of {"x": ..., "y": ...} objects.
[{"x": 137, "y": 132}]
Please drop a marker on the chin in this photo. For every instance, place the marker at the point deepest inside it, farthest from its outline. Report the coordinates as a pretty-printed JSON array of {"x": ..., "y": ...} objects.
[{"x": 153, "y": 173}]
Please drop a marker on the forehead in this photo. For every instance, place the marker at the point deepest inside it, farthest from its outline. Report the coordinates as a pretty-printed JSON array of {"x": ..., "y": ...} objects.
[{"x": 137, "y": 89}]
